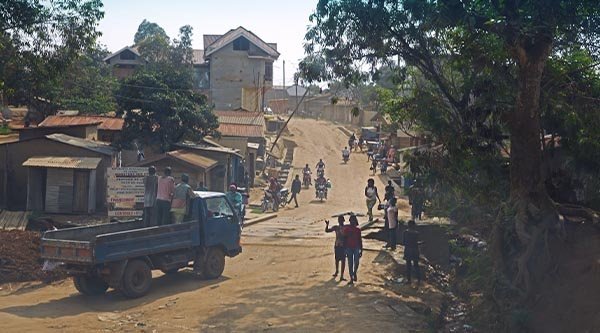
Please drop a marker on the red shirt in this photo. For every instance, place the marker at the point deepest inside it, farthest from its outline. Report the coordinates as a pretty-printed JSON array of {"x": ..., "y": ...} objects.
[{"x": 352, "y": 237}]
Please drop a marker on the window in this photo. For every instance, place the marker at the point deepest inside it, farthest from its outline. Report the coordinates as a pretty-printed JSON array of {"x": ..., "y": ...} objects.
[
  {"x": 218, "y": 207},
  {"x": 127, "y": 55},
  {"x": 241, "y": 44},
  {"x": 268, "y": 71}
]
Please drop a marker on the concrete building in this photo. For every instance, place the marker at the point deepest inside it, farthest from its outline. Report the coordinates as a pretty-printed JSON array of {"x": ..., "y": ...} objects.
[
  {"x": 125, "y": 61},
  {"x": 240, "y": 66}
]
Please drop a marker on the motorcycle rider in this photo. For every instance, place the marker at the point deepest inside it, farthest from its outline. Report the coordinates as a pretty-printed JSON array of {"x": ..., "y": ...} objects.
[
  {"x": 345, "y": 154},
  {"x": 235, "y": 198},
  {"x": 306, "y": 173},
  {"x": 320, "y": 167},
  {"x": 321, "y": 183},
  {"x": 274, "y": 188}
]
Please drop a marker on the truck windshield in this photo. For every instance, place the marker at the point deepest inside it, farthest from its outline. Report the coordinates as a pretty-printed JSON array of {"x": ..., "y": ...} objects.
[{"x": 218, "y": 207}]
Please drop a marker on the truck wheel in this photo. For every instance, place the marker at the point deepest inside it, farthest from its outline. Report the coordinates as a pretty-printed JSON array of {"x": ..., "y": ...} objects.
[
  {"x": 90, "y": 285},
  {"x": 137, "y": 279},
  {"x": 214, "y": 264}
]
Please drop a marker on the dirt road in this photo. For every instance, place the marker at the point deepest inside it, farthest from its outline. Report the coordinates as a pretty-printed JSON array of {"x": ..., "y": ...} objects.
[{"x": 281, "y": 282}]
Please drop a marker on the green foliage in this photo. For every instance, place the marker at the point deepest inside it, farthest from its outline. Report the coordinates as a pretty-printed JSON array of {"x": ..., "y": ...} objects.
[
  {"x": 158, "y": 101},
  {"x": 40, "y": 40},
  {"x": 148, "y": 29},
  {"x": 88, "y": 85},
  {"x": 4, "y": 130}
]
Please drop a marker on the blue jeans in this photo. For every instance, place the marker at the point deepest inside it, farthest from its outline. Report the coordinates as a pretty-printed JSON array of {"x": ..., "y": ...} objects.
[{"x": 353, "y": 261}]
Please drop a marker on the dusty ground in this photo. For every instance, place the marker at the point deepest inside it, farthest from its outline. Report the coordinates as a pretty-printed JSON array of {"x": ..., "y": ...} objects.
[{"x": 281, "y": 282}]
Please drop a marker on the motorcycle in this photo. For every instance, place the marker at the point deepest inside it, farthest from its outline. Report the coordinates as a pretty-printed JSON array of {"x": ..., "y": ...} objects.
[
  {"x": 346, "y": 158},
  {"x": 321, "y": 191},
  {"x": 268, "y": 202},
  {"x": 306, "y": 180},
  {"x": 283, "y": 196},
  {"x": 321, "y": 172}
]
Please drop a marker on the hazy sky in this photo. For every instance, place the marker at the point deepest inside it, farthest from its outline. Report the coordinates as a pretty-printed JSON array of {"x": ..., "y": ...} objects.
[{"x": 275, "y": 21}]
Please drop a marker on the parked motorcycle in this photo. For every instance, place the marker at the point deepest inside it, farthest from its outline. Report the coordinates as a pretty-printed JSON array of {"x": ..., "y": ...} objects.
[
  {"x": 283, "y": 196},
  {"x": 268, "y": 202}
]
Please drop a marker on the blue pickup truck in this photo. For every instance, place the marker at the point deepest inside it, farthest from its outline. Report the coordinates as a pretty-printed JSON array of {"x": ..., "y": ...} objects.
[{"x": 122, "y": 255}]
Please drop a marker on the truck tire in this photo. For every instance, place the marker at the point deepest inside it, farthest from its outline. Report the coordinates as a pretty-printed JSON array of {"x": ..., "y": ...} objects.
[
  {"x": 214, "y": 264},
  {"x": 137, "y": 279},
  {"x": 90, "y": 285}
]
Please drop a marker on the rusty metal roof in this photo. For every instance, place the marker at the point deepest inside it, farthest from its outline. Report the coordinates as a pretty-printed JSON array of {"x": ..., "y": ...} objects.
[
  {"x": 89, "y": 163},
  {"x": 96, "y": 146},
  {"x": 240, "y": 117},
  {"x": 193, "y": 158},
  {"x": 104, "y": 123},
  {"x": 241, "y": 130}
]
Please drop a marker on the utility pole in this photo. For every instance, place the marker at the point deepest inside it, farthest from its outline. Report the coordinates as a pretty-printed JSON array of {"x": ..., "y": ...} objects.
[{"x": 283, "y": 93}]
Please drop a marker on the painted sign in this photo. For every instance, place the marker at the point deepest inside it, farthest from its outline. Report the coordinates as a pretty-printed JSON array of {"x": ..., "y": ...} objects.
[{"x": 125, "y": 194}]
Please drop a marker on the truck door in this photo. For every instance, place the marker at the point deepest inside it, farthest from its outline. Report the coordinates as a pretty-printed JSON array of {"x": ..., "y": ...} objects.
[{"x": 222, "y": 226}]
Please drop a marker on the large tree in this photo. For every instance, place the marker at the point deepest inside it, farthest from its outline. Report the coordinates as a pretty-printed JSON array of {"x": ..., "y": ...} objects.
[
  {"x": 39, "y": 40},
  {"x": 158, "y": 102},
  {"x": 511, "y": 39}
]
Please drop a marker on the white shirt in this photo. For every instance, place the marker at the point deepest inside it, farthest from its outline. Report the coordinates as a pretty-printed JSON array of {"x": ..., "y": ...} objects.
[
  {"x": 345, "y": 152},
  {"x": 392, "y": 214}
]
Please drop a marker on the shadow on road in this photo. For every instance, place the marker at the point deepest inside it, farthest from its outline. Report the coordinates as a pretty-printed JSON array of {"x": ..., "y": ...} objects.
[{"x": 75, "y": 304}]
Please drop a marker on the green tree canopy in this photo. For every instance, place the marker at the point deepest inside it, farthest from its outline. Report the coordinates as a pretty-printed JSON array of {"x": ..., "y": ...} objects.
[{"x": 39, "y": 40}]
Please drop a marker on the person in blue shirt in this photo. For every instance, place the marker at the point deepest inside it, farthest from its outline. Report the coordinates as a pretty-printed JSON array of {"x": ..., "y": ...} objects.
[{"x": 235, "y": 197}]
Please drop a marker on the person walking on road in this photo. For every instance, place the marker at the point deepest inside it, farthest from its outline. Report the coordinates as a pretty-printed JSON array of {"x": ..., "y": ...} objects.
[
  {"x": 150, "y": 191},
  {"x": 338, "y": 248},
  {"x": 296, "y": 187},
  {"x": 389, "y": 191},
  {"x": 164, "y": 196},
  {"x": 354, "y": 247},
  {"x": 372, "y": 197},
  {"x": 410, "y": 239},
  {"x": 392, "y": 217}
]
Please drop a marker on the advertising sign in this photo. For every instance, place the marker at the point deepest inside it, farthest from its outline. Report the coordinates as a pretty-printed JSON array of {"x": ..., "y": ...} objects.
[{"x": 126, "y": 191}]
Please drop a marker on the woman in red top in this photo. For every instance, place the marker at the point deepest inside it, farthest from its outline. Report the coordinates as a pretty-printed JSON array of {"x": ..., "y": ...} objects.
[{"x": 354, "y": 247}]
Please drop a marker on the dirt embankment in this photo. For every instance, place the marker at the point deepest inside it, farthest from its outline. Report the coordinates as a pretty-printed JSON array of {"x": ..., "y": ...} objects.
[{"x": 20, "y": 258}]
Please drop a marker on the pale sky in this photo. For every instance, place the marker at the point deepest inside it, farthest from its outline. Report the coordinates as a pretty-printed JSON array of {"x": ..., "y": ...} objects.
[{"x": 275, "y": 21}]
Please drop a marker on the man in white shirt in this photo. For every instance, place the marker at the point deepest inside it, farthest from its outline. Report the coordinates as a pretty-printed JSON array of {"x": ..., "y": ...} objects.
[{"x": 392, "y": 217}]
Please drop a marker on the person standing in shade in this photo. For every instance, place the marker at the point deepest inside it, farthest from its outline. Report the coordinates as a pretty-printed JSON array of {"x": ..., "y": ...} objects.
[
  {"x": 296, "y": 187},
  {"x": 354, "y": 247},
  {"x": 392, "y": 217},
  {"x": 339, "y": 250},
  {"x": 371, "y": 196},
  {"x": 201, "y": 187},
  {"x": 181, "y": 199},
  {"x": 164, "y": 196},
  {"x": 389, "y": 191},
  {"x": 410, "y": 239},
  {"x": 150, "y": 191}
]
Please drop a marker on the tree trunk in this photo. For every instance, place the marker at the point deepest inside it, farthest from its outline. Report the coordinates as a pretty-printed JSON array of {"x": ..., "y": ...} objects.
[{"x": 534, "y": 211}]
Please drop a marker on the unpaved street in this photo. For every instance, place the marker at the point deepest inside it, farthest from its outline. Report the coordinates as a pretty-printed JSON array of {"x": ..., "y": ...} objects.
[{"x": 281, "y": 282}]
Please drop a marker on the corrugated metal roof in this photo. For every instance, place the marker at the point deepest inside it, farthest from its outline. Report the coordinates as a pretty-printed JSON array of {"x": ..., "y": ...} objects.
[
  {"x": 99, "y": 147},
  {"x": 209, "y": 39},
  {"x": 240, "y": 117},
  {"x": 14, "y": 220},
  {"x": 193, "y": 158},
  {"x": 193, "y": 145},
  {"x": 198, "y": 57},
  {"x": 232, "y": 35},
  {"x": 250, "y": 131},
  {"x": 89, "y": 163},
  {"x": 104, "y": 123}
]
